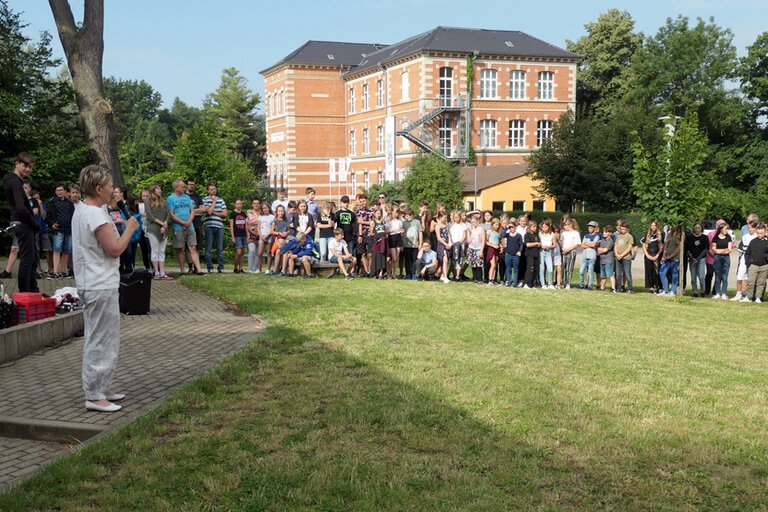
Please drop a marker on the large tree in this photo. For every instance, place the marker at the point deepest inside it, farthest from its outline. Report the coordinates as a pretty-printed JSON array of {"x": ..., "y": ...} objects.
[
  {"x": 608, "y": 49},
  {"x": 433, "y": 179},
  {"x": 84, "y": 48},
  {"x": 753, "y": 71}
]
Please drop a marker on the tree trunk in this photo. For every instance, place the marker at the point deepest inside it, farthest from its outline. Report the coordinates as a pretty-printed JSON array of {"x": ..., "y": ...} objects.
[{"x": 84, "y": 48}]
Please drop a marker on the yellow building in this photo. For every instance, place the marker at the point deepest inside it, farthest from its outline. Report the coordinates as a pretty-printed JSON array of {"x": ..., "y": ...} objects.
[{"x": 503, "y": 188}]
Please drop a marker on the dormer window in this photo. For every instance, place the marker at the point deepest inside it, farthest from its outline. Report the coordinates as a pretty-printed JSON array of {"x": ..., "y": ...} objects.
[{"x": 331, "y": 57}]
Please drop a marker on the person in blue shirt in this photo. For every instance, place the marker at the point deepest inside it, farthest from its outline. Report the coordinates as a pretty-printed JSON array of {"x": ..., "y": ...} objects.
[
  {"x": 181, "y": 211},
  {"x": 426, "y": 263}
]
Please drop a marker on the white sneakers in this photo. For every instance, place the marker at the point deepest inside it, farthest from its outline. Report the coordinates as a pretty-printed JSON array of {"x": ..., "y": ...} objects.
[{"x": 92, "y": 406}]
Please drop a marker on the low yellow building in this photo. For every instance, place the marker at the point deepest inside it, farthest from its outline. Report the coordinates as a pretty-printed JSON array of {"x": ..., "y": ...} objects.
[{"x": 503, "y": 188}]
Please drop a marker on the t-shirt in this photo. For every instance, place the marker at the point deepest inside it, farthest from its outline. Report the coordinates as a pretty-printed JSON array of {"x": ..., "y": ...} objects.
[
  {"x": 457, "y": 232},
  {"x": 340, "y": 247},
  {"x": 607, "y": 257},
  {"x": 312, "y": 209},
  {"x": 428, "y": 257},
  {"x": 654, "y": 243},
  {"x": 364, "y": 216},
  {"x": 696, "y": 246},
  {"x": 345, "y": 219},
  {"x": 476, "y": 237},
  {"x": 394, "y": 226},
  {"x": 528, "y": 239},
  {"x": 758, "y": 252},
  {"x": 278, "y": 202},
  {"x": 181, "y": 206},
  {"x": 94, "y": 269},
  {"x": 722, "y": 243},
  {"x": 214, "y": 221},
  {"x": 546, "y": 240},
  {"x": 590, "y": 253},
  {"x": 325, "y": 219},
  {"x": 197, "y": 202},
  {"x": 493, "y": 238},
  {"x": 624, "y": 242},
  {"x": 239, "y": 218},
  {"x": 265, "y": 225},
  {"x": 281, "y": 225},
  {"x": 513, "y": 242},
  {"x": 569, "y": 239},
  {"x": 411, "y": 228}
]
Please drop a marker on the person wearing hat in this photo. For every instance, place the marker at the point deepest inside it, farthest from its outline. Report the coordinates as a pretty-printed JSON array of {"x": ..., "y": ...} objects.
[{"x": 589, "y": 255}]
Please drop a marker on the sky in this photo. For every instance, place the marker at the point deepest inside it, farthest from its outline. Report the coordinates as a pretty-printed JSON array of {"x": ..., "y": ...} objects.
[{"x": 180, "y": 47}]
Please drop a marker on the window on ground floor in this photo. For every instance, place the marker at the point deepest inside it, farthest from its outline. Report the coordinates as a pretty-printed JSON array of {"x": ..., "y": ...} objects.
[{"x": 518, "y": 206}]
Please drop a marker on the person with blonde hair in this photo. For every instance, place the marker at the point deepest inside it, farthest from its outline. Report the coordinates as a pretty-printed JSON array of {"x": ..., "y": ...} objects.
[
  {"x": 96, "y": 264},
  {"x": 157, "y": 216}
]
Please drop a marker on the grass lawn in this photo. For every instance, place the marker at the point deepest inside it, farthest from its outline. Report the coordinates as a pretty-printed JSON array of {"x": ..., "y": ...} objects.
[{"x": 396, "y": 395}]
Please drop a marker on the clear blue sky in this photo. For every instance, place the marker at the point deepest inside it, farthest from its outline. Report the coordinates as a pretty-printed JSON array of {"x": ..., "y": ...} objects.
[{"x": 181, "y": 47}]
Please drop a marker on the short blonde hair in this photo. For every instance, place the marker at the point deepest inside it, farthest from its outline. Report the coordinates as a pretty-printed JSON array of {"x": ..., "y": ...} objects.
[{"x": 93, "y": 176}]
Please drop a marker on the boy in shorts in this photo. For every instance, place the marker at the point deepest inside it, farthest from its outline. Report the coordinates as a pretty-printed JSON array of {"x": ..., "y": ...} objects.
[
  {"x": 605, "y": 253},
  {"x": 339, "y": 253}
]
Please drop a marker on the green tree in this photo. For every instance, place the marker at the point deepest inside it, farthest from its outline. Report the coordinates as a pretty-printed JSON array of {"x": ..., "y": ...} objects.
[
  {"x": 132, "y": 101},
  {"x": 180, "y": 117},
  {"x": 753, "y": 70},
  {"x": 233, "y": 105},
  {"x": 608, "y": 50},
  {"x": 433, "y": 179},
  {"x": 671, "y": 180}
]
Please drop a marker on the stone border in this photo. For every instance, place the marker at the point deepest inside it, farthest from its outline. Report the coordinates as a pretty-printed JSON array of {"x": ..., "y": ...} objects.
[{"x": 24, "y": 339}]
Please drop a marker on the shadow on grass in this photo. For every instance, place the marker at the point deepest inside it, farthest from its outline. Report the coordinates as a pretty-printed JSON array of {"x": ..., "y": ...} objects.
[{"x": 291, "y": 423}]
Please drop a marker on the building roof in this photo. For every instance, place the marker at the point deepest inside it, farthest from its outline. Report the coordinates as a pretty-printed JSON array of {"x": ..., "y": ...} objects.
[
  {"x": 490, "y": 175},
  {"x": 328, "y": 53},
  {"x": 363, "y": 56},
  {"x": 467, "y": 40}
]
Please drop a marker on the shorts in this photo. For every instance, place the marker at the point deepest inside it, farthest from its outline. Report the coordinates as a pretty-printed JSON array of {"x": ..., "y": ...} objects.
[
  {"x": 741, "y": 271},
  {"x": 241, "y": 242},
  {"x": 334, "y": 259},
  {"x": 366, "y": 247},
  {"x": 43, "y": 242},
  {"x": 491, "y": 252},
  {"x": 606, "y": 270},
  {"x": 184, "y": 237},
  {"x": 61, "y": 242},
  {"x": 312, "y": 259},
  {"x": 440, "y": 250},
  {"x": 395, "y": 241}
]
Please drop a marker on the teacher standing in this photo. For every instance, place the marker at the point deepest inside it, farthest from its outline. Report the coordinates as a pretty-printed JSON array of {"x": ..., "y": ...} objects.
[{"x": 98, "y": 247}]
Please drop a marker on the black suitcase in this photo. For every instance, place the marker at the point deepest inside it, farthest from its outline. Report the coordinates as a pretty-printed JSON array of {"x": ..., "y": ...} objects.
[{"x": 135, "y": 292}]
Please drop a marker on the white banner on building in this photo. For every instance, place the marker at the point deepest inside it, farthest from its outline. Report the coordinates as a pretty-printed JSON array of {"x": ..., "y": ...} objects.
[
  {"x": 389, "y": 148},
  {"x": 332, "y": 169},
  {"x": 342, "y": 169}
]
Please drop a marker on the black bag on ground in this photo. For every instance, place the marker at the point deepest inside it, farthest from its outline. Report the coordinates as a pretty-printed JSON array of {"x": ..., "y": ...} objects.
[{"x": 135, "y": 292}]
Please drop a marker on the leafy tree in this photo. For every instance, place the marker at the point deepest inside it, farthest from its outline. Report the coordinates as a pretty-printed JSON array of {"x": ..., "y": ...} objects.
[
  {"x": 233, "y": 105},
  {"x": 684, "y": 67},
  {"x": 180, "y": 117},
  {"x": 433, "y": 179},
  {"x": 393, "y": 189},
  {"x": 753, "y": 70},
  {"x": 670, "y": 180},
  {"x": 132, "y": 101},
  {"x": 608, "y": 49}
]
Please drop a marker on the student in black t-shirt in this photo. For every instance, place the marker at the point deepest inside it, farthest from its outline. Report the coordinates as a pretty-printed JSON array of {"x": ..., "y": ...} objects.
[
  {"x": 696, "y": 247},
  {"x": 345, "y": 220},
  {"x": 237, "y": 221},
  {"x": 532, "y": 248},
  {"x": 326, "y": 222}
]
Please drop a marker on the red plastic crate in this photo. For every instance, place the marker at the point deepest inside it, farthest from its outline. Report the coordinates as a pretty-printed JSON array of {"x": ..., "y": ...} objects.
[
  {"x": 27, "y": 298},
  {"x": 37, "y": 310}
]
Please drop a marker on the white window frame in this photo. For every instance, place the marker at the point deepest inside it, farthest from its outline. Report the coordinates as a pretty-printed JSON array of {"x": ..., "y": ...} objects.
[
  {"x": 488, "y": 133},
  {"x": 546, "y": 85},
  {"x": 282, "y": 102},
  {"x": 365, "y": 97},
  {"x": 488, "y": 83},
  {"x": 543, "y": 131},
  {"x": 366, "y": 141},
  {"x": 380, "y": 93},
  {"x": 351, "y": 100},
  {"x": 405, "y": 86},
  {"x": 517, "y": 84},
  {"x": 445, "y": 84},
  {"x": 517, "y": 133},
  {"x": 354, "y": 183},
  {"x": 380, "y": 138},
  {"x": 352, "y": 143},
  {"x": 367, "y": 180},
  {"x": 445, "y": 136}
]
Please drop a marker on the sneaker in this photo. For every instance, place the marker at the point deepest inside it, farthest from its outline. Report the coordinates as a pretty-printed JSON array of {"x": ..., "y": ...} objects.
[
  {"x": 491, "y": 283},
  {"x": 737, "y": 297},
  {"x": 267, "y": 272},
  {"x": 715, "y": 297},
  {"x": 744, "y": 299},
  {"x": 5, "y": 275},
  {"x": 349, "y": 278},
  {"x": 526, "y": 287},
  {"x": 629, "y": 291},
  {"x": 724, "y": 296},
  {"x": 662, "y": 294},
  {"x": 567, "y": 287},
  {"x": 257, "y": 271},
  {"x": 613, "y": 290},
  {"x": 507, "y": 284},
  {"x": 445, "y": 280},
  {"x": 758, "y": 300}
]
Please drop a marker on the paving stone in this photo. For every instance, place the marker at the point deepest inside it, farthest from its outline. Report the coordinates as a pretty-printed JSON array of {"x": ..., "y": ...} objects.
[{"x": 185, "y": 335}]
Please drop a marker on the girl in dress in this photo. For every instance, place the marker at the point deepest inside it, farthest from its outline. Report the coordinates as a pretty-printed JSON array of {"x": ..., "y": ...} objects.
[
  {"x": 475, "y": 248},
  {"x": 380, "y": 249}
]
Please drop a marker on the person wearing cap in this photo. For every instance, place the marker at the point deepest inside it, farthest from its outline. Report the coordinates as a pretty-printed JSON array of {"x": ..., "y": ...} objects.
[{"x": 589, "y": 255}]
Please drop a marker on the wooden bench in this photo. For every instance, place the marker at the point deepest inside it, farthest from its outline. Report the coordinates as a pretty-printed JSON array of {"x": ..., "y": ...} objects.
[{"x": 325, "y": 268}]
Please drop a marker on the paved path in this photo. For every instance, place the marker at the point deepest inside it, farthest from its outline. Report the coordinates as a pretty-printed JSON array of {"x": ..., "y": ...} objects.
[{"x": 185, "y": 335}]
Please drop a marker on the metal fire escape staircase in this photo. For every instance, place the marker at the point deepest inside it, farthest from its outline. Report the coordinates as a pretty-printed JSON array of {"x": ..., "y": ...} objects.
[{"x": 424, "y": 131}]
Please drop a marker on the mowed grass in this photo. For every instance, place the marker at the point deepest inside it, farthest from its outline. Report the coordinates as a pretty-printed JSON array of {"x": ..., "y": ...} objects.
[{"x": 395, "y": 395}]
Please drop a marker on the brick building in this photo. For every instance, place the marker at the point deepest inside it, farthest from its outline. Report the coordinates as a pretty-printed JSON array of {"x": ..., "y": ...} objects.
[{"x": 370, "y": 108}]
